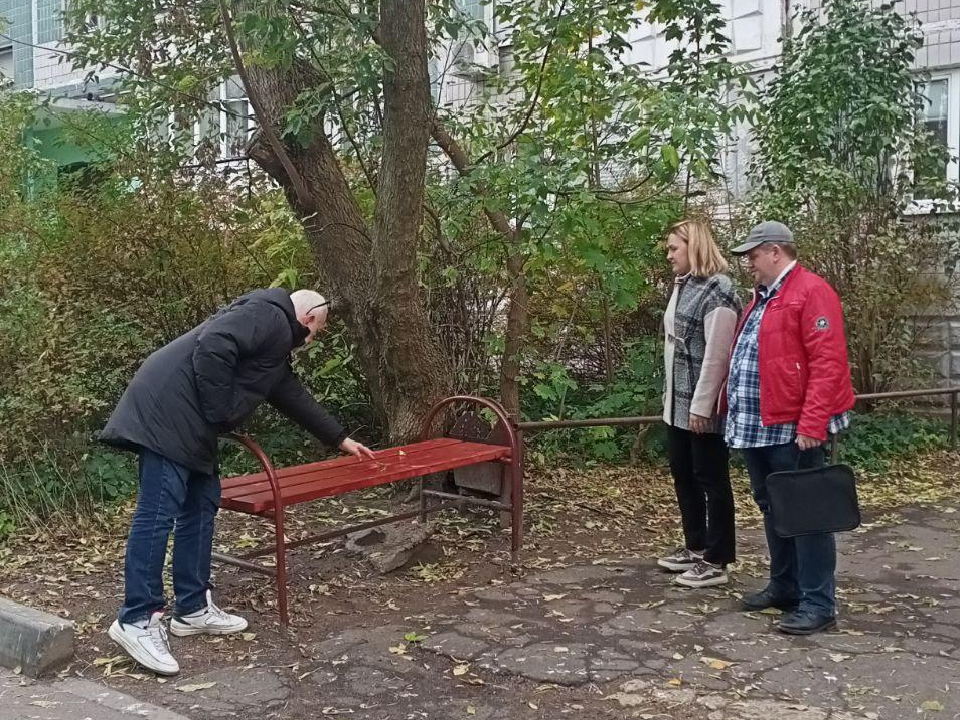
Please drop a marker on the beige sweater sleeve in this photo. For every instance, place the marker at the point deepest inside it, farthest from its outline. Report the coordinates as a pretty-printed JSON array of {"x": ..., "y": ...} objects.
[{"x": 719, "y": 327}]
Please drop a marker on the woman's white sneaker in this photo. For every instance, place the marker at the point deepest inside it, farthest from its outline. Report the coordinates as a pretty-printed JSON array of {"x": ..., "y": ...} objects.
[
  {"x": 703, "y": 574},
  {"x": 210, "y": 620},
  {"x": 146, "y": 642},
  {"x": 681, "y": 560}
]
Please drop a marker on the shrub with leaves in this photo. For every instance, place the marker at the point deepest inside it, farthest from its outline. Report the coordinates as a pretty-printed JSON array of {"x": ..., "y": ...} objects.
[
  {"x": 841, "y": 154},
  {"x": 97, "y": 272}
]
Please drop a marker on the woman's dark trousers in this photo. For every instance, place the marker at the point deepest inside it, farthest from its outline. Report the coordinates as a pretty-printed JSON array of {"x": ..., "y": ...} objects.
[{"x": 700, "y": 464}]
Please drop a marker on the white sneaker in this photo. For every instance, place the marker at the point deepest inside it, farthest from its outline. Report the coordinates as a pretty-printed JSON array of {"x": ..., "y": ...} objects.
[
  {"x": 703, "y": 574},
  {"x": 682, "y": 559},
  {"x": 211, "y": 620},
  {"x": 146, "y": 642}
]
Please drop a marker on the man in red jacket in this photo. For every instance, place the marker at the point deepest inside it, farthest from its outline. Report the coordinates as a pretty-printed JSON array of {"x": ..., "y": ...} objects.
[{"x": 789, "y": 388}]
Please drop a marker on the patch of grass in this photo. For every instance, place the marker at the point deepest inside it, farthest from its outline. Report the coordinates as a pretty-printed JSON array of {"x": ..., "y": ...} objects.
[{"x": 62, "y": 487}]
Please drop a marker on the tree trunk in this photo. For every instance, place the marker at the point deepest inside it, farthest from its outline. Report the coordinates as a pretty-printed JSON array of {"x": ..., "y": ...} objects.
[
  {"x": 515, "y": 334},
  {"x": 412, "y": 370},
  {"x": 369, "y": 274}
]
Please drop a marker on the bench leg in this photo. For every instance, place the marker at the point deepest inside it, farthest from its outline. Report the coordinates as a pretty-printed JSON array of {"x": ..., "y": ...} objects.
[
  {"x": 506, "y": 497},
  {"x": 281, "y": 573},
  {"x": 516, "y": 507},
  {"x": 423, "y": 501}
]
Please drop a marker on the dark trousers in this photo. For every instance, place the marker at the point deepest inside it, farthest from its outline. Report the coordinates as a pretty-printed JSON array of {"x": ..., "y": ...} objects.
[
  {"x": 171, "y": 498},
  {"x": 701, "y": 477},
  {"x": 801, "y": 567}
]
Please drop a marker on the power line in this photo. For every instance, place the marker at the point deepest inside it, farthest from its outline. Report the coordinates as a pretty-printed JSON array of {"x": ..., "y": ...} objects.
[{"x": 219, "y": 105}]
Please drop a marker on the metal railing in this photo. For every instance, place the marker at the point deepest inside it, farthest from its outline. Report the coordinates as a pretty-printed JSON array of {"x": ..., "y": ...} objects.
[{"x": 953, "y": 392}]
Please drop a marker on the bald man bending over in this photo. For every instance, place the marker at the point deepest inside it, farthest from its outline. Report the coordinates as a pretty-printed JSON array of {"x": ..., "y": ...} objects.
[{"x": 185, "y": 394}]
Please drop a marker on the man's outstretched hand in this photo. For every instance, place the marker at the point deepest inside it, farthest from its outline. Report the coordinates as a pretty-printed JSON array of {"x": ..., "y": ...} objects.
[{"x": 360, "y": 452}]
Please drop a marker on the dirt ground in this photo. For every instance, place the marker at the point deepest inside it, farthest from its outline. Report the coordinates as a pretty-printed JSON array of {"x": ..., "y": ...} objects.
[{"x": 586, "y": 627}]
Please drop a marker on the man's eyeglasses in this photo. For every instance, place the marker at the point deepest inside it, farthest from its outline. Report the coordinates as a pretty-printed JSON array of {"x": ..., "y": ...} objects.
[{"x": 325, "y": 302}]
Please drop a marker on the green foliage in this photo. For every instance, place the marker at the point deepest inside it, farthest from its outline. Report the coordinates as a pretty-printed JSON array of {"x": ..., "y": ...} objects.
[
  {"x": 61, "y": 481},
  {"x": 95, "y": 276},
  {"x": 697, "y": 112},
  {"x": 106, "y": 275},
  {"x": 7, "y": 525},
  {"x": 875, "y": 441},
  {"x": 552, "y": 394},
  {"x": 840, "y": 135},
  {"x": 587, "y": 154}
]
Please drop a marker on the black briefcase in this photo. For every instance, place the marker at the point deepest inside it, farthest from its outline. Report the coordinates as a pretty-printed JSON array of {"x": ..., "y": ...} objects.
[{"x": 819, "y": 500}]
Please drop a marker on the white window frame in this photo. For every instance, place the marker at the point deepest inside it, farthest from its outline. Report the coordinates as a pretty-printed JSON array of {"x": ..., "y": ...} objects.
[
  {"x": 953, "y": 118},
  {"x": 924, "y": 206},
  {"x": 225, "y": 151}
]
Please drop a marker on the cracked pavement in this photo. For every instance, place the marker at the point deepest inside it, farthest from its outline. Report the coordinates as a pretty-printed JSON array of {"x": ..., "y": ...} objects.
[{"x": 610, "y": 639}]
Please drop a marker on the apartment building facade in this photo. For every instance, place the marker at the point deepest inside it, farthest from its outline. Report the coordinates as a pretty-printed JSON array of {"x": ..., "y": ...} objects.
[{"x": 34, "y": 57}]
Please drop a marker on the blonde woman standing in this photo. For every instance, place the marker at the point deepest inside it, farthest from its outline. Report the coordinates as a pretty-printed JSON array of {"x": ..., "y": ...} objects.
[{"x": 699, "y": 325}]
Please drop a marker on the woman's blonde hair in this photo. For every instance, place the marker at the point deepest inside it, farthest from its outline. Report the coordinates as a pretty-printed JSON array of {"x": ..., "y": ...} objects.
[{"x": 705, "y": 257}]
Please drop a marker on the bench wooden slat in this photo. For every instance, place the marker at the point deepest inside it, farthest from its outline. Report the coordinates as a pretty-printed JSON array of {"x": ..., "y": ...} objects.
[
  {"x": 329, "y": 472},
  {"x": 344, "y": 461},
  {"x": 329, "y": 478}
]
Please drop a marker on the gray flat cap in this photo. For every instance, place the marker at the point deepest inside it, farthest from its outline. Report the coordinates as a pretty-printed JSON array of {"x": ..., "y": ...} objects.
[{"x": 769, "y": 231}]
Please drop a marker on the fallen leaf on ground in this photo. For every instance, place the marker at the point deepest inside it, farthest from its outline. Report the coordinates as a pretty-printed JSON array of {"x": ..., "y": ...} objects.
[
  {"x": 108, "y": 661},
  {"x": 195, "y": 687}
]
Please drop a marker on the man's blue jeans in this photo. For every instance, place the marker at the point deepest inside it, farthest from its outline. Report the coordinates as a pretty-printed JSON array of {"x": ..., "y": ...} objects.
[
  {"x": 171, "y": 497},
  {"x": 801, "y": 567}
]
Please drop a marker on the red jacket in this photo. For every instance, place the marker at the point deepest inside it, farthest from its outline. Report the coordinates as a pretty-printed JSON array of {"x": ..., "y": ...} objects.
[{"x": 804, "y": 372}]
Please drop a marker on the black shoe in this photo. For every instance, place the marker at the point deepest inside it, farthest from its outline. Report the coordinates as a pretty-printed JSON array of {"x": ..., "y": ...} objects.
[
  {"x": 806, "y": 623},
  {"x": 764, "y": 599}
]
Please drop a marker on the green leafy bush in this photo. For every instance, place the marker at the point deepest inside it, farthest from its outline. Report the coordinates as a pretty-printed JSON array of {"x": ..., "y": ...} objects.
[
  {"x": 875, "y": 441},
  {"x": 552, "y": 394},
  {"x": 96, "y": 275}
]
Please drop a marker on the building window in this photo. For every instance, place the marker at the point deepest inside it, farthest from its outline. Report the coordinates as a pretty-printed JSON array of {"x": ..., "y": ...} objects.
[
  {"x": 6, "y": 62},
  {"x": 936, "y": 119},
  {"x": 236, "y": 122}
]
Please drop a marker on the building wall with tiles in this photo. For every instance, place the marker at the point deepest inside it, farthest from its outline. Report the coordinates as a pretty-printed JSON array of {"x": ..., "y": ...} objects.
[
  {"x": 17, "y": 19},
  {"x": 52, "y": 69},
  {"x": 39, "y": 60}
]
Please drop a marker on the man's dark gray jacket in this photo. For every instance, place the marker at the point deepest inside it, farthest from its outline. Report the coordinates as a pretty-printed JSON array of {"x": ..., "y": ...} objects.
[{"x": 212, "y": 379}]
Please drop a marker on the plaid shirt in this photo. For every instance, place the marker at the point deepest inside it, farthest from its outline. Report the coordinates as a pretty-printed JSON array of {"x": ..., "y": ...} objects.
[{"x": 745, "y": 429}]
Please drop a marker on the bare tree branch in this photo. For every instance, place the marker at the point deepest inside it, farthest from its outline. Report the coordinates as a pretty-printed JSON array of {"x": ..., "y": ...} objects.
[
  {"x": 536, "y": 94},
  {"x": 299, "y": 186},
  {"x": 458, "y": 156}
]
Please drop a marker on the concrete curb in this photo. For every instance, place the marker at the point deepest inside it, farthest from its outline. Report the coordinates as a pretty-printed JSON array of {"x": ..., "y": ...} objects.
[
  {"x": 72, "y": 699},
  {"x": 32, "y": 640}
]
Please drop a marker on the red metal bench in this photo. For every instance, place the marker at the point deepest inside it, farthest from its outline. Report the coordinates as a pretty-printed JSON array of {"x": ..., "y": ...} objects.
[{"x": 267, "y": 494}]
